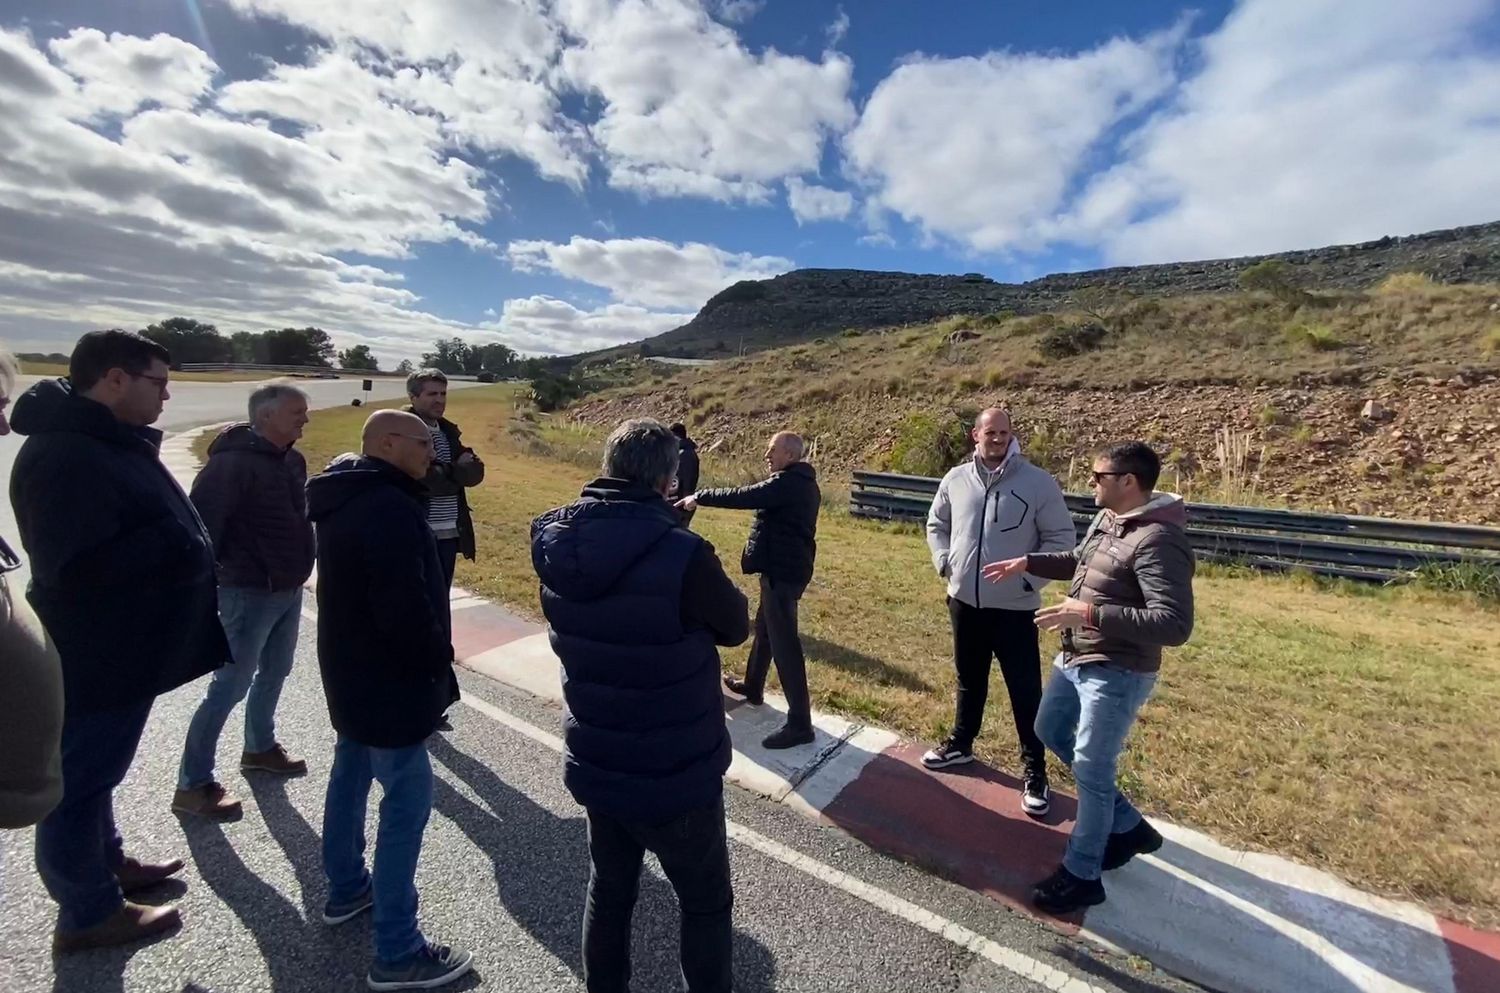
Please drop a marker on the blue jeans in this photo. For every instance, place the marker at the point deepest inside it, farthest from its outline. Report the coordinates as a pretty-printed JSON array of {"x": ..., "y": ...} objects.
[
  {"x": 405, "y": 776},
  {"x": 78, "y": 847},
  {"x": 1085, "y": 715},
  {"x": 262, "y": 631}
]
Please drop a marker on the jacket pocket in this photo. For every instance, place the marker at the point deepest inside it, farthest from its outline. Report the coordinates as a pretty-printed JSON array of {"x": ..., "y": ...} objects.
[{"x": 1008, "y": 510}]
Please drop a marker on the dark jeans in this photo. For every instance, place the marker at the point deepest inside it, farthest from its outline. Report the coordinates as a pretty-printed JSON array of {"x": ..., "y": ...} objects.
[
  {"x": 694, "y": 853},
  {"x": 78, "y": 846},
  {"x": 776, "y": 638},
  {"x": 405, "y": 776},
  {"x": 448, "y": 557},
  {"x": 1010, "y": 636}
]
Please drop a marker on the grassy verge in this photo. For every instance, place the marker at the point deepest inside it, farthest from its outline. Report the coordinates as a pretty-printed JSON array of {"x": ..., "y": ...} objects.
[
  {"x": 58, "y": 369},
  {"x": 1347, "y": 727}
]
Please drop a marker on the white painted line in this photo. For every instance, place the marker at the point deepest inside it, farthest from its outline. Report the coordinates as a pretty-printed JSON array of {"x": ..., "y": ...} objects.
[{"x": 1009, "y": 959}]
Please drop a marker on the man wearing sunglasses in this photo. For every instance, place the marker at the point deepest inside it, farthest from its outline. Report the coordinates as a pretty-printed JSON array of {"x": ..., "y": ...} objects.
[
  {"x": 386, "y": 655},
  {"x": 123, "y": 579},
  {"x": 1131, "y": 594}
]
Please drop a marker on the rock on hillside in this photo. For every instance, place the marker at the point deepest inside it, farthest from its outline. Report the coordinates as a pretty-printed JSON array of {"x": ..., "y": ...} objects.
[{"x": 759, "y": 314}]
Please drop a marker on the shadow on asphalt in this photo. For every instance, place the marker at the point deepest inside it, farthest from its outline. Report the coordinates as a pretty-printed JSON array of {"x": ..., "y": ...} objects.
[{"x": 541, "y": 866}]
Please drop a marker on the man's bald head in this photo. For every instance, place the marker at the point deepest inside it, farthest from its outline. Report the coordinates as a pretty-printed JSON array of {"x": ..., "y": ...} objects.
[
  {"x": 399, "y": 438},
  {"x": 784, "y": 448},
  {"x": 992, "y": 435}
]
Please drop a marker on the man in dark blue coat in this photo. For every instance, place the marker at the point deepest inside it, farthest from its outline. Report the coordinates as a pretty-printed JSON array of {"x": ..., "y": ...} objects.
[
  {"x": 385, "y": 652},
  {"x": 123, "y": 579},
  {"x": 636, "y": 605}
]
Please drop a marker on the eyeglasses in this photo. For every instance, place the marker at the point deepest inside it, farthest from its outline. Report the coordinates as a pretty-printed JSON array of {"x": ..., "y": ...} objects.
[
  {"x": 425, "y": 439},
  {"x": 160, "y": 381},
  {"x": 1098, "y": 477}
]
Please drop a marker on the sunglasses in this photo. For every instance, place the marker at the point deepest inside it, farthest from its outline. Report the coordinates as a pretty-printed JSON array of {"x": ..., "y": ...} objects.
[{"x": 1098, "y": 477}]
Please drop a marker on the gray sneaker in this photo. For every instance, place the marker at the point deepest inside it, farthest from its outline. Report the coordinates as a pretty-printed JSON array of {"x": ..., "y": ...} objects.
[
  {"x": 431, "y": 967},
  {"x": 338, "y": 913}
]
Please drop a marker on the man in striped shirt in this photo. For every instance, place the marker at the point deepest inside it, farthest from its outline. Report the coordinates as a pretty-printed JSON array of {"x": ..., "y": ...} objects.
[{"x": 454, "y": 469}]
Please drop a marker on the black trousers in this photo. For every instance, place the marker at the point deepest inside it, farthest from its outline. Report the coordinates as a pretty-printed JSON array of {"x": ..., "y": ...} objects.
[
  {"x": 776, "y": 638},
  {"x": 1011, "y": 637},
  {"x": 694, "y": 853},
  {"x": 448, "y": 558}
]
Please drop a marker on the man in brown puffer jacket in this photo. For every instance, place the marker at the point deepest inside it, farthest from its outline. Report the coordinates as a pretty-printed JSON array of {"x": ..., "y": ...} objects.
[{"x": 1131, "y": 594}]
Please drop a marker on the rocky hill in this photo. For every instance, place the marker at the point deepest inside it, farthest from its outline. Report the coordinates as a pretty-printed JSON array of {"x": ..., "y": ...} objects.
[{"x": 808, "y": 303}]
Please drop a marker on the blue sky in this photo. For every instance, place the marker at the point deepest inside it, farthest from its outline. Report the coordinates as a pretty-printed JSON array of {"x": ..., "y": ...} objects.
[{"x": 565, "y": 174}]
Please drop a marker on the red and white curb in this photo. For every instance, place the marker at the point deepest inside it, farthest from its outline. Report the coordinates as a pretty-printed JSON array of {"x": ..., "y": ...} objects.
[{"x": 1240, "y": 922}]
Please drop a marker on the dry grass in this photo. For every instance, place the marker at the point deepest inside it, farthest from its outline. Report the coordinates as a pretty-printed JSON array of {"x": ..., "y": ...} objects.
[
  {"x": 1345, "y": 727},
  {"x": 59, "y": 369}
]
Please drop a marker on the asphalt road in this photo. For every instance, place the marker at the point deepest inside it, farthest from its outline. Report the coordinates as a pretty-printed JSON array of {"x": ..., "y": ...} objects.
[
  {"x": 192, "y": 405},
  {"x": 503, "y": 871}
]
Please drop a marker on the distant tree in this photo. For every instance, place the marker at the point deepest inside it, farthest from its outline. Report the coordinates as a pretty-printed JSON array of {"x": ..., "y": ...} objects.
[
  {"x": 406, "y": 367},
  {"x": 189, "y": 340},
  {"x": 1275, "y": 277},
  {"x": 496, "y": 358},
  {"x": 449, "y": 354},
  {"x": 358, "y": 357},
  {"x": 247, "y": 348},
  {"x": 299, "y": 346}
]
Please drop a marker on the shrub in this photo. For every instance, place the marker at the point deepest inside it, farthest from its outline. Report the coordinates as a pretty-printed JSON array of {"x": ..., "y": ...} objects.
[
  {"x": 1403, "y": 283},
  {"x": 969, "y": 384},
  {"x": 1316, "y": 337},
  {"x": 1275, "y": 277},
  {"x": 1479, "y": 578},
  {"x": 1072, "y": 339},
  {"x": 994, "y": 377},
  {"x": 929, "y": 444},
  {"x": 1048, "y": 446},
  {"x": 1492, "y": 341}
]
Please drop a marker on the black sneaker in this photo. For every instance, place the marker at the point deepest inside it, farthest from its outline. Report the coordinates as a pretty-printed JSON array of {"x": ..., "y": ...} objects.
[
  {"x": 1143, "y": 839},
  {"x": 739, "y": 687},
  {"x": 1036, "y": 798},
  {"x": 429, "y": 968},
  {"x": 338, "y": 913},
  {"x": 949, "y": 752},
  {"x": 790, "y": 736},
  {"x": 1062, "y": 893}
]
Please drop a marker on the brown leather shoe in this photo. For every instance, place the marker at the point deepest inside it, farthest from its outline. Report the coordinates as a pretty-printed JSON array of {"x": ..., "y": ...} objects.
[
  {"x": 211, "y": 801},
  {"x": 135, "y": 875},
  {"x": 275, "y": 760},
  {"x": 132, "y": 922}
]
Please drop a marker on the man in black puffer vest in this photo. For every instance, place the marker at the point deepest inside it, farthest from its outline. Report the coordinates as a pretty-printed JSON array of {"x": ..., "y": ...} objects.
[
  {"x": 781, "y": 549},
  {"x": 635, "y": 605}
]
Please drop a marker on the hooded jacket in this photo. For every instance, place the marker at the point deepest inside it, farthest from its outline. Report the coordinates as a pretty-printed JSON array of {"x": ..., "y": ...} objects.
[
  {"x": 384, "y": 645},
  {"x": 783, "y": 541},
  {"x": 122, "y": 567},
  {"x": 978, "y": 517},
  {"x": 1135, "y": 571},
  {"x": 687, "y": 466},
  {"x": 644, "y": 723},
  {"x": 253, "y": 500}
]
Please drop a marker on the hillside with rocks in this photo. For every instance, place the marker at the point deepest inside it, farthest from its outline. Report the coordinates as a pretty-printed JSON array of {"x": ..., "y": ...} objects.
[
  {"x": 1382, "y": 400},
  {"x": 808, "y": 303}
]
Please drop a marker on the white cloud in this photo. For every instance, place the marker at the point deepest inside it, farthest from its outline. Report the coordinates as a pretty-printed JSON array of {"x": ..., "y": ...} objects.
[
  {"x": 687, "y": 110},
  {"x": 646, "y": 271},
  {"x": 982, "y": 150},
  {"x": 1306, "y": 126},
  {"x": 121, "y": 72},
  {"x": 547, "y": 326},
  {"x": 738, "y": 11},
  {"x": 839, "y": 29},
  {"x": 817, "y": 203}
]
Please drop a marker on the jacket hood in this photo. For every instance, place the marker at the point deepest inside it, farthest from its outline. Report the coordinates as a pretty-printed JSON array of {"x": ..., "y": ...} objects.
[
  {"x": 580, "y": 551},
  {"x": 242, "y": 438},
  {"x": 52, "y": 406},
  {"x": 688, "y": 444},
  {"x": 801, "y": 469},
  {"x": 351, "y": 475},
  {"x": 1162, "y": 508}
]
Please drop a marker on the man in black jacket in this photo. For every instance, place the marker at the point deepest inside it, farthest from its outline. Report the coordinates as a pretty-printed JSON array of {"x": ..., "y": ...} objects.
[
  {"x": 252, "y": 498},
  {"x": 781, "y": 548},
  {"x": 385, "y": 652},
  {"x": 687, "y": 470},
  {"x": 123, "y": 579},
  {"x": 635, "y": 606}
]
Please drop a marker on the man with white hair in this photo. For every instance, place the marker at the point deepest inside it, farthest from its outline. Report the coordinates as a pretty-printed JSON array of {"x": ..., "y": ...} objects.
[{"x": 252, "y": 500}]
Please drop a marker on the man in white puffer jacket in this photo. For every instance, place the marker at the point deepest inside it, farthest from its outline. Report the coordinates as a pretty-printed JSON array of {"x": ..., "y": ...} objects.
[{"x": 996, "y": 506}]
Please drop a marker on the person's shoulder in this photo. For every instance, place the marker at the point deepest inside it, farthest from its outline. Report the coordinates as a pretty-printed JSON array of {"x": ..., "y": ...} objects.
[{"x": 1039, "y": 476}]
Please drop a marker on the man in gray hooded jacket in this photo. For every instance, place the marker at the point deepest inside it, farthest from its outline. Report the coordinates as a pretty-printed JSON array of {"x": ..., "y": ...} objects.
[{"x": 996, "y": 506}]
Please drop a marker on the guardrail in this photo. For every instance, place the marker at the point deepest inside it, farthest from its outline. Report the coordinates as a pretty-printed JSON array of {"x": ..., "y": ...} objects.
[{"x": 1368, "y": 549}]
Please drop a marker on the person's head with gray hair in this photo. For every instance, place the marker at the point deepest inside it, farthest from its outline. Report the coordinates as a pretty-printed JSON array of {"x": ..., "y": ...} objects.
[
  {"x": 278, "y": 412},
  {"x": 428, "y": 390},
  {"x": 8, "y": 373},
  {"x": 642, "y": 450},
  {"x": 784, "y": 448}
]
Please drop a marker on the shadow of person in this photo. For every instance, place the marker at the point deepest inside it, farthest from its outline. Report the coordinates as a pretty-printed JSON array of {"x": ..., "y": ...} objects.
[
  {"x": 849, "y": 660},
  {"x": 302, "y": 845},
  {"x": 541, "y": 867},
  {"x": 1281, "y": 933}
]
